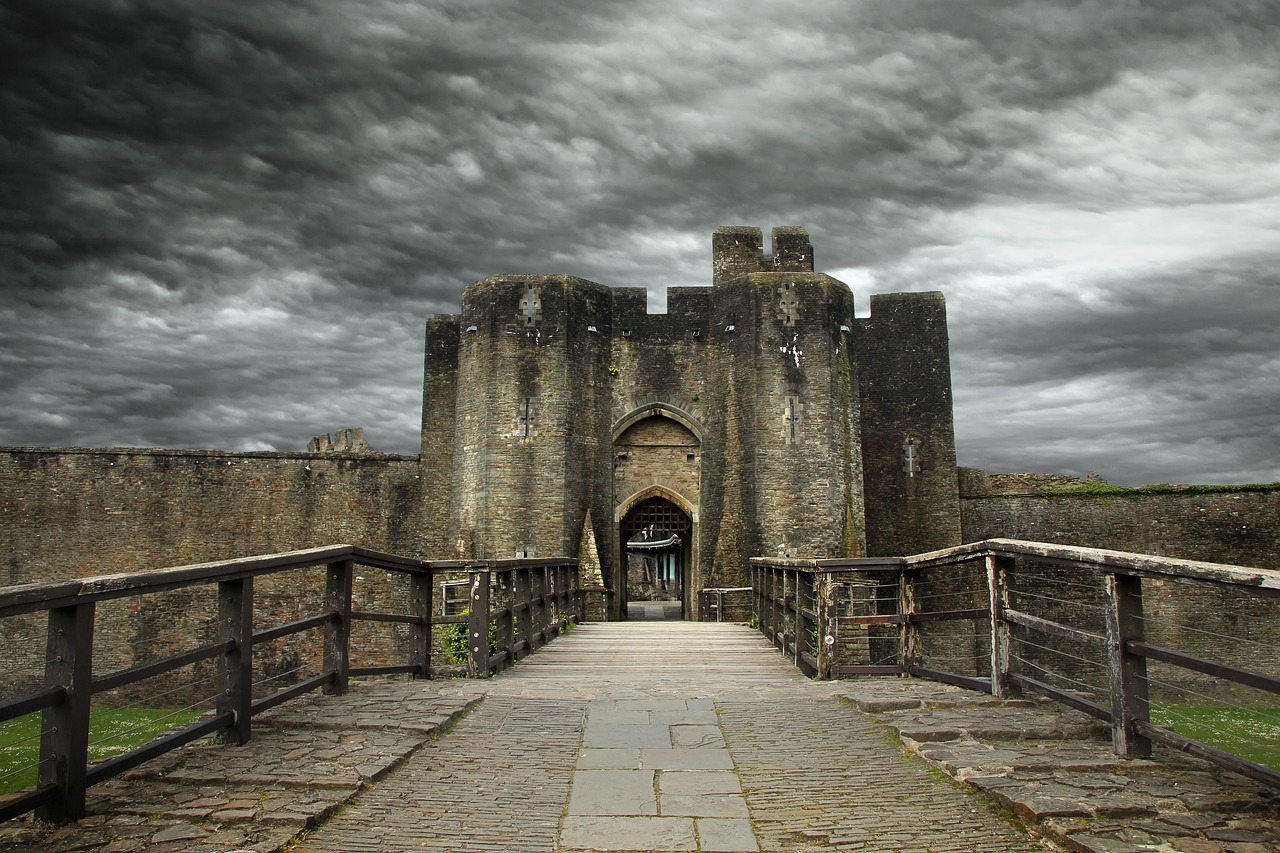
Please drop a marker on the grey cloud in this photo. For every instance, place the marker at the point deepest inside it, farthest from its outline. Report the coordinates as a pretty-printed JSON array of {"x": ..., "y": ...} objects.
[{"x": 235, "y": 216}]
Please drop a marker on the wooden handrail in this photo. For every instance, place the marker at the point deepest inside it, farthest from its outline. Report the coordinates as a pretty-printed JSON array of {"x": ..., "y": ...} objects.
[
  {"x": 549, "y": 596},
  {"x": 1120, "y": 594}
]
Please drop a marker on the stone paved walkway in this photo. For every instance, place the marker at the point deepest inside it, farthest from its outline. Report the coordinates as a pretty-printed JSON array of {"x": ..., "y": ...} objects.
[
  {"x": 661, "y": 736},
  {"x": 676, "y": 737}
]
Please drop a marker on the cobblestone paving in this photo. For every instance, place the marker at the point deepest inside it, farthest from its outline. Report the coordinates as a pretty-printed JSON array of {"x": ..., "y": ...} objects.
[
  {"x": 820, "y": 776},
  {"x": 1055, "y": 769},
  {"x": 305, "y": 760},
  {"x": 498, "y": 781}
]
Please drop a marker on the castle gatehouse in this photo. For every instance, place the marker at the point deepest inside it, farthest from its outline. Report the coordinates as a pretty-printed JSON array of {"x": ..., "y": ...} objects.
[{"x": 755, "y": 416}]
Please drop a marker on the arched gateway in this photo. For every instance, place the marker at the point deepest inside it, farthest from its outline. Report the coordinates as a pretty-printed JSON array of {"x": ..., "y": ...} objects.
[{"x": 656, "y": 485}]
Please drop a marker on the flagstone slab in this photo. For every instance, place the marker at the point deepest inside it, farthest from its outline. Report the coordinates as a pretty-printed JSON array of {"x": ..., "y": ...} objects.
[
  {"x": 613, "y": 792},
  {"x": 611, "y": 758},
  {"x": 610, "y": 735},
  {"x": 628, "y": 833},
  {"x": 698, "y": 782},
  {"x": 726, "y": 835},
  {"x": 686, "y": 758},
  {"x": 697, "y": 737}
]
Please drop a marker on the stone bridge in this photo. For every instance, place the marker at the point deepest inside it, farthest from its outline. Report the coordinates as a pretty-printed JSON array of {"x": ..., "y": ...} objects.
[{"x": 664, "y": 736}]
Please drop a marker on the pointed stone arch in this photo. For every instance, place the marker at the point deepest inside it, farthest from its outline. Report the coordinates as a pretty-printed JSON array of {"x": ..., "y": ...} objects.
[
  {"x": 659, "y": 410},
  {"x": 656, "y": 490}
]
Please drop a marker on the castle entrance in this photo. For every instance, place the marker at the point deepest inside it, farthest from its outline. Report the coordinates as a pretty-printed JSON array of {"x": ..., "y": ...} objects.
[{"x": 656, "y": 543}]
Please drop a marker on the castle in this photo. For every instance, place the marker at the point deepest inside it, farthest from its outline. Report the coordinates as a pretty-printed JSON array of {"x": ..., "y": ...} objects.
[{"x": 756, "y": 416}]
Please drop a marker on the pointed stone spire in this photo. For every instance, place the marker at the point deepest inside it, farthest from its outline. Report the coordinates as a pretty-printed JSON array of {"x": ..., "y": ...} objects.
[{"x": 589, "y": 555}]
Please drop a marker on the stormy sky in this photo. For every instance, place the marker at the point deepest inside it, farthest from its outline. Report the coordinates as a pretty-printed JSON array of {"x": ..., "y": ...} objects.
[{"x": 223, "y": 223}]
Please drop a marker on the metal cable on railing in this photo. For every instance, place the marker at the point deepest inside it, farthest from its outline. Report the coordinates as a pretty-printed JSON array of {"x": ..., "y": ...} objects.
[
  {"x": 152, "y": 723},
  {"x": 1051, "y": 676}
]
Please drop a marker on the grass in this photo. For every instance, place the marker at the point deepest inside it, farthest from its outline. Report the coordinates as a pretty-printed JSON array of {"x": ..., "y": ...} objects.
[
  {"x": 1108, "y": 490},
  {"x": 1250, "y": 733},
  {"x": 112, "y": 731}
]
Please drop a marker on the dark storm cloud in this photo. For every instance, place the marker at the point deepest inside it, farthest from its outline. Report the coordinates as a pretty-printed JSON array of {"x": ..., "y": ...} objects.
[{"x": 224, "y": 222}]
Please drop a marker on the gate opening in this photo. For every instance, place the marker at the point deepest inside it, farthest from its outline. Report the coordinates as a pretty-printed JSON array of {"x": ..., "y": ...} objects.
[{"x": 656, "y": 546}]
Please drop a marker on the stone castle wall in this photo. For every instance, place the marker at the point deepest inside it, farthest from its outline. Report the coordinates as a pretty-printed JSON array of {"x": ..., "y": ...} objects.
[
  {"x": 1235, "y": 527},
  {"x": 69, "y": 513}
]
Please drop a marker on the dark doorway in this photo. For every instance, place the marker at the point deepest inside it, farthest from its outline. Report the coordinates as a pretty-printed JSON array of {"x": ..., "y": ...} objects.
[{"x": 656, "y": 538}]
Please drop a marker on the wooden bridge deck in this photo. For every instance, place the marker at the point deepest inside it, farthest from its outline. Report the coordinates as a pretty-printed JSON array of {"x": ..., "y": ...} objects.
[{"x": 658, "y": 736}]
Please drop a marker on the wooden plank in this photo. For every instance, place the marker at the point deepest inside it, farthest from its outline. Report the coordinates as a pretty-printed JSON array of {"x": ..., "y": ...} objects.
[
  {"x": 998, "y": 571},
  {"x": 64, "y": 738},
  {"x": 421, "y": 590},
  {"x": 160, "y": 667},
  {"x": 1071, "y": 700},
  {"x": 116, "y": 765},
  {"x": 32, "y": 702},
  {"x": 910, "y": 641},
  {"x": 281, "y": 696},
  {"x": 1208, "y": 667},
  {"x": 390, "y": 669},
  {"x": 1056, "y": 629},
  {"x": 20, "y": 804},
  {"x": 27, "y": 598},
  {"x": 982, "y": 685},
  {"x": 1166, "y": 737},
  {"x": 1265, "y": 581},
  {"x": 402, "y": 618},
  {"x": 1128, "y": 671},
  {"x": 949, "y": 615},
  {"x": 478, "y": 628},
  {"x": 339, "y": 576},
  {"x": 268, "y": 634},
  {"x": 853, "y": 621},
  {"x": 867, "y": 669},
  {"x": 235, "y": 675}
]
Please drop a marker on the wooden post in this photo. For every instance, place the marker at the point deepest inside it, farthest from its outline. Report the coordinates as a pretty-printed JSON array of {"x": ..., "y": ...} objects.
[
  {"x": 337, "y": 634},
  {"x": 524, "y": 595},
  {"x": 1129, "y": 700},
  {"x": 478, "y": 630},
  {"x": 796, "y": 616},
  {"x": 235, "y": 677},
  {"x": 998, "y": 571},
  {"x": 538, "y": 606},
  {"x": 506, "y": 633},
  {"x": 777, "y": 592},
  {"x": 64, "y": 739},
  {"x": 825, "y": 607},
  {"x": 420, "y": 593},
  {"x": 911, "y": 644},
  {"x": 579, "y": 595}
]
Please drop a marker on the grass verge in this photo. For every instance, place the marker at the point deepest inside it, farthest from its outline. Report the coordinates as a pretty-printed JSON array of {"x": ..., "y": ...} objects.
[{"x": 112, "y": 731}]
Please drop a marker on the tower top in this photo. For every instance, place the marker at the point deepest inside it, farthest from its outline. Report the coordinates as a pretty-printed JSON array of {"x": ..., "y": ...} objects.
[{"x": 737, "y": 251}]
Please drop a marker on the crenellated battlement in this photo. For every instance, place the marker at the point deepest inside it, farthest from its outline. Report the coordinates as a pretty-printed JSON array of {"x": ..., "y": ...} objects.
[{"x": 738, "y": 251}]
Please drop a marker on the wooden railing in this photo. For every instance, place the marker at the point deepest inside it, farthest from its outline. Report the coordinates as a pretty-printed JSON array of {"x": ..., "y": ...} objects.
[
  {"x": 517, "y": 606},
  {"x": 539, "y": 595},
  {"x": 1014, "y": 604}
]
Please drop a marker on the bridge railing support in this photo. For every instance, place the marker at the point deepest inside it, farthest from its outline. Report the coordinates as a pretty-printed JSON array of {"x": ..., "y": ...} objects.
[
  {"x": 518, "y": 606},
  {"x": 537, "y": 600},
  {"x": 1010, "y": 617}
]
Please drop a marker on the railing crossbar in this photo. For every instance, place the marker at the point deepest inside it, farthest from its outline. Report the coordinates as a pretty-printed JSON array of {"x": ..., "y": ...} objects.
[
  {"x": 134, "y": 674},
  {"x": 796, "y": 600},
  {"x": 1057, "y": 629},
  {"x": 48, "y": 698},
  {"x": 1208, "y": 667}
]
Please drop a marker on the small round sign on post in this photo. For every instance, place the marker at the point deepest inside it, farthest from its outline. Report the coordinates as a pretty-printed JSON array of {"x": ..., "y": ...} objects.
[{"x": 829, "y": 640}]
